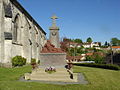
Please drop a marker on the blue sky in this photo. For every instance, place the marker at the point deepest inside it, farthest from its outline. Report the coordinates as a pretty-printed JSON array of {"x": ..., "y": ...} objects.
[{"x": 98, "y": 19}]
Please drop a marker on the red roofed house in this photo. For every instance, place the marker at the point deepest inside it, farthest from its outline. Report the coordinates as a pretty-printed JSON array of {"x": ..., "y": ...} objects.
[{"x": 115, "y": 48}]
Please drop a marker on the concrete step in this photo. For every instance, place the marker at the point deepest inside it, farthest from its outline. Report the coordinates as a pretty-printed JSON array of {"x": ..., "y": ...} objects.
[
  {"x": 57, "y": 69},
  {"x": 43, "y": 72},
  {"x": 56, "y": 79},
  {"x": 51, "y": 76},
  {"x": 51, "y": 73},
  {"x": 61, "y": 79},
  {"x": 61, "y": 74}
]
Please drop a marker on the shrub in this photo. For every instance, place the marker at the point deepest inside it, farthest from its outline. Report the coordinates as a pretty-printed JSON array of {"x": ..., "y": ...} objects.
[
  {"x": 38, "y": 61},
  {"x": 33, "y": 61},
  {"x": 96, "y": 57},
  {"x": 105, "y": 66},
  {"x": 18, "y": 61}
]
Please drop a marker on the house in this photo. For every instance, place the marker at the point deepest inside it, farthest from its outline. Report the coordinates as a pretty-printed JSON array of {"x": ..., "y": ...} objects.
[
  {"x": 91, "y": 45},
  {"x": 72, "y": 44},
  {"x": 96, "y": 44},
  {"x": 87, "y": 45},
  {"x": 115, "y": 48}
]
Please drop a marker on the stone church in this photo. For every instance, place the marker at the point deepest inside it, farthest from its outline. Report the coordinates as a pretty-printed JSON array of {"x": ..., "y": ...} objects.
[{"x": 20, "y": 34}]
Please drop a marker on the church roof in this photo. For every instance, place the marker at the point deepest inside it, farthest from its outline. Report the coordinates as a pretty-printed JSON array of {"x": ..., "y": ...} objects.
[{"x": 17, "y": 4}]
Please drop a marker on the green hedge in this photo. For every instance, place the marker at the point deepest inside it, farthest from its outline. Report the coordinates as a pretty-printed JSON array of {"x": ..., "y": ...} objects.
[
  {"x": 18, "y": 61},
  {"x": 105, "y": 66}
]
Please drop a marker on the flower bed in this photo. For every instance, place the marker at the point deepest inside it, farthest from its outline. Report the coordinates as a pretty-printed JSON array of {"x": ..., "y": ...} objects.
[{"x": 50, "y": 70}]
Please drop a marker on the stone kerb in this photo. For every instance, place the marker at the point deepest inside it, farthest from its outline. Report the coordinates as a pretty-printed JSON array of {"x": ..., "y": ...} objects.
[{"x": 53, "y": 59}]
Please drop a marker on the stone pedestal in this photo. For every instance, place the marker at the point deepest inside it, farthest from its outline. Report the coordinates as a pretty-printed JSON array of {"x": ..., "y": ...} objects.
[
  {"x": 53, "y": 59},
  {"x": 61, "y": 75}
]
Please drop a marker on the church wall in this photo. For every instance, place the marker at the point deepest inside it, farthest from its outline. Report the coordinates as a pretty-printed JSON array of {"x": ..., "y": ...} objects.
[
  {"x": 16, "y": 50},
  {"x": 7, "y": 43},
  {"x": 27, "y": 48},
  {"x": 27, "y": 33},
  {"x": 1, "y": 32},
  {"x": 8, "y": 25},
  {"x": 26, "y": 52},
  {"x": 8, "y": 51},
  {"x": 17, "y": 46}
]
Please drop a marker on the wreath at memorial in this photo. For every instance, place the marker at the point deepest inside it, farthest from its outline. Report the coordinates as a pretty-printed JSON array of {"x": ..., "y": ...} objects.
[{"x": 50, "y": 70}]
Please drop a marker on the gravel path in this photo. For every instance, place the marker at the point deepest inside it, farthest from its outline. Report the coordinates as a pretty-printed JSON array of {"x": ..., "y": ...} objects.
[{"x": 81, "y": 80}]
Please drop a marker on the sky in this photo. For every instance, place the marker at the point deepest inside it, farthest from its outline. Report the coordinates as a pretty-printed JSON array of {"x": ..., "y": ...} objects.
[{"x": 98, "y": 19}]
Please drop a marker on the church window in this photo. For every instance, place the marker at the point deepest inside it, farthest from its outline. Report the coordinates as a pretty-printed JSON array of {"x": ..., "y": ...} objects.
[{"x": 16, "y": 27}]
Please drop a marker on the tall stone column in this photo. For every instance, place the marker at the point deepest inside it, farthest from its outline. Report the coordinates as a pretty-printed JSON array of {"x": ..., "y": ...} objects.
[
  {"x": 1, "y": 32},
  {"x": 54, "y": 33}
]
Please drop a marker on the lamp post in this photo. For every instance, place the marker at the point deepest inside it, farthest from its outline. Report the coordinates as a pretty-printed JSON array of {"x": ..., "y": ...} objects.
[
  {"x": 74, "y": 52},
  {"x": 111, "y": 53}
]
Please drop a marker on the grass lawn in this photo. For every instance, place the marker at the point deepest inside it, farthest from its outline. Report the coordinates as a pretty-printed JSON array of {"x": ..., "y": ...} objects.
[{"x": 99, "y": 79}]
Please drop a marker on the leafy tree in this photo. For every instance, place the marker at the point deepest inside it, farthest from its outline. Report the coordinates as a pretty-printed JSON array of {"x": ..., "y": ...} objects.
[
  {"x": 89, "y": 40},
  {"x": 106, "y": 43},
  {"x": 63, "y": 46},
  {"x": 72, "y": 51},
  {"x": 119, "y": 42},
  {"x": 89, "y": 58},
  {"x": 115, "y": 41},
  {"x": 96, "y": 57},
  {"x": 66, "y": 39},
  {"x": 78, "y": 40},
  {"x": 80, "y": 51}
]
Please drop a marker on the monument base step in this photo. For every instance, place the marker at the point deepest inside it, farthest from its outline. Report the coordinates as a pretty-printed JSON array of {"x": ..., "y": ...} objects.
[{"x": 61, "y": 75}]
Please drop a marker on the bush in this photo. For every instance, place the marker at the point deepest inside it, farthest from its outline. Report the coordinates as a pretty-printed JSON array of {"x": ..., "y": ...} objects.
[
  {"x": 38, "y": 61},
  {"x": 96, "y": 57},
  {"x": 18, "y": 61},
  {"x": 105, "y": 66},
  {"x": 33, "y": 61}
]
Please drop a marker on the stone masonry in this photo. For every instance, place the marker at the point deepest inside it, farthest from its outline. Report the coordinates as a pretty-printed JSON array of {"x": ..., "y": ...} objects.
[
  {"x": 54, "y": 33},
  {"x": 20, "y": 34},
  {"x": 51, "y": 56}
]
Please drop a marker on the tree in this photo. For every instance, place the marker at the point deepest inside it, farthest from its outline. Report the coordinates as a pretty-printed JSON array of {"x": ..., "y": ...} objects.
[
  {"x": 106, "y": 43},
  {"x": 95, "y": 57},
  {"x": 66, "y": 39},
  {"x": 78, "y": 40},
  {"x": 89, "y": 40},
  {"x": 115, "y": 41}
]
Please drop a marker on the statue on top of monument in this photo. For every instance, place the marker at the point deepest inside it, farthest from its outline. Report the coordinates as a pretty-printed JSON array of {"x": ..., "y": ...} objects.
[{"x": 54, "y": 17}]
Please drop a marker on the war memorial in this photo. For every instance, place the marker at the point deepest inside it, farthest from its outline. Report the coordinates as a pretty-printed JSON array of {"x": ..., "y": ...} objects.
[
  {"x": 53, "y": 66},
  {"x": 21, "y": 35}
]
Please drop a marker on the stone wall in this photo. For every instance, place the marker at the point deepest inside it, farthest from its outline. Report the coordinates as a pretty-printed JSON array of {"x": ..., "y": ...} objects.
[
  {"x": 1, "y": 32},
  {"x": 30, "y": 36},
  {"x": 52, "y": 59}
]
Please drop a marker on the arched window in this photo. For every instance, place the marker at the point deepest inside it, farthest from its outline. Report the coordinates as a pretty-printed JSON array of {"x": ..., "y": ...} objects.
[
  {"x": 16, "y": 30},
  {"x": 16, "y": 26}
]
